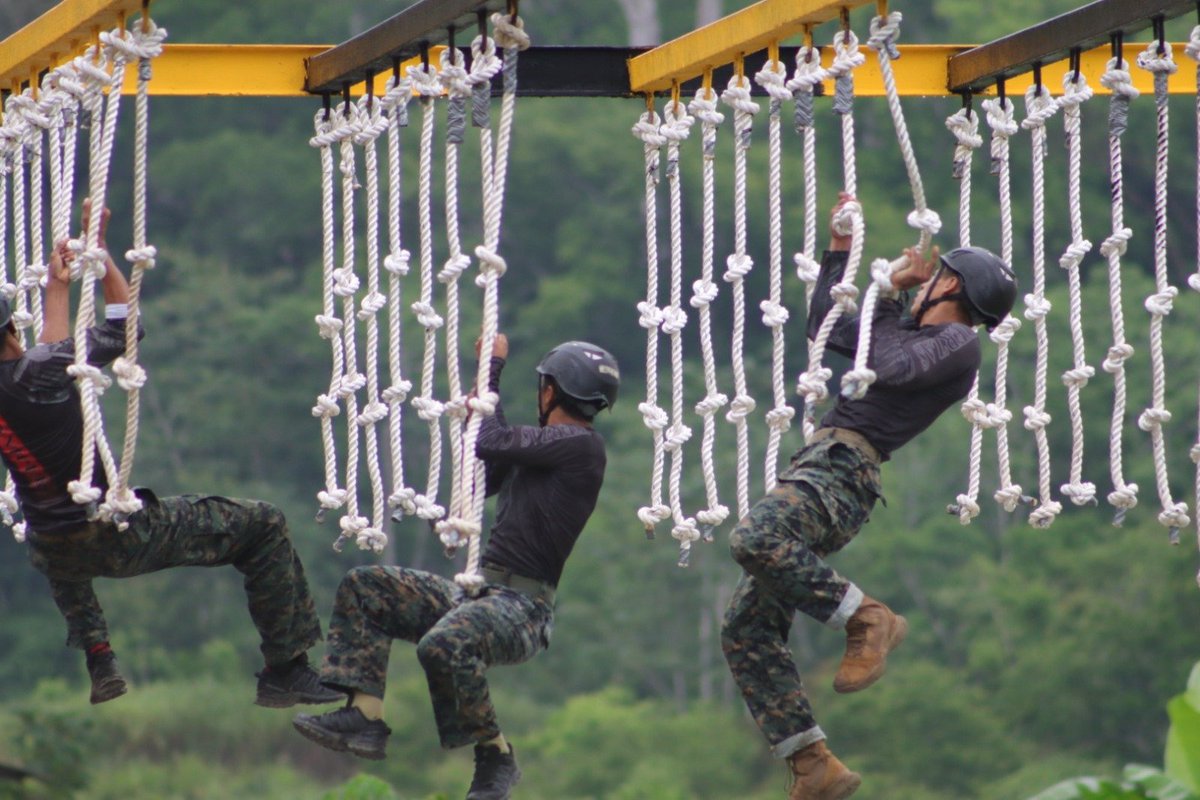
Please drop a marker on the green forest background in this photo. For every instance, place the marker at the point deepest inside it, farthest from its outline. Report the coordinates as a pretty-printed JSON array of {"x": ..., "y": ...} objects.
[{"x": 1034, "y": 655}]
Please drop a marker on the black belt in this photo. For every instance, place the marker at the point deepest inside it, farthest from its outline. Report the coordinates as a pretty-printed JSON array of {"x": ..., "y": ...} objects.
[
  {"x": 500, "y": 576},
  {"x": 848, "y": 437}
]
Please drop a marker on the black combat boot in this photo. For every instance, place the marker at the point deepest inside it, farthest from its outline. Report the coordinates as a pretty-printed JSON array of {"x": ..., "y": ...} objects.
[
  {"x": 107, "y": 682},
  {"x": 496, "y": 773},
  {"x": 347, "y": 731},
  {"x": 297, "y": 682}
]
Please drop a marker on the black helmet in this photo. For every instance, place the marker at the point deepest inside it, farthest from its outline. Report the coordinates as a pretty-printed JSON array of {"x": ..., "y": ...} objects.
[
  {"x": 585, "y": 373},
  {"x": 989, "y": 287}
]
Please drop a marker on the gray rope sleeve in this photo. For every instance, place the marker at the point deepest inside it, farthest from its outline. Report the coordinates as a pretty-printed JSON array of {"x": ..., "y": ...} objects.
[
  {"x": 843, "y": 95},
  {"x": 804, "y": 109},
  {"x": 456, "y": 120}
]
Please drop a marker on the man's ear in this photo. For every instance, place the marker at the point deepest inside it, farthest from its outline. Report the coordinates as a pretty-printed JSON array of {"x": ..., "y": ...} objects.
[{"x": 952, "y": 282}]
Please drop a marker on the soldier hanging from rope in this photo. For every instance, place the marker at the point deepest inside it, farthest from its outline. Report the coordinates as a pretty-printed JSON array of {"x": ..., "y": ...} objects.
[
  {"x": 548, "y": 479},
  {"x": 924, "y": 365},
  {"x": 41, "y": 435}
]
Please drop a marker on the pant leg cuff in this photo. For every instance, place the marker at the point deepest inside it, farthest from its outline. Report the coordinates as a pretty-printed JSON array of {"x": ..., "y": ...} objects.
[
  {"x": 845, "y": 610},
  {"x": 798, "y": 742}
]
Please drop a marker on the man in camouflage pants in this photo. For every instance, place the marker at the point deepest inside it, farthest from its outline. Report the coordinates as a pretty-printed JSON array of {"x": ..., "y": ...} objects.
[
  {"x": 923, "y": 364},
  {"x": 548, "y": 479},
  {"x": 41, "y": 436}
]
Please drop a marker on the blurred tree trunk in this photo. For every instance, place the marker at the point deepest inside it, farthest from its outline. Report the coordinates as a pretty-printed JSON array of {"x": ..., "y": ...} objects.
[{"x": 645, "y": 27}]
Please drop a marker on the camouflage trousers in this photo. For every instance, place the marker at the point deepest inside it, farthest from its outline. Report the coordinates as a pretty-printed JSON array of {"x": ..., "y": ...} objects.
[
  {"x": 457, "y": 638},
  {"x": 185, "y": 531},
  {"x": 818, "y": 506}
]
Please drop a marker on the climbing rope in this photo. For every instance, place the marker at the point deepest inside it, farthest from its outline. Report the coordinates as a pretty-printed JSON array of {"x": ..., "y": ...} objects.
[
  {"x": 809, "y": 74},
  {"x": 655, "y": 418},
  {"x": 509, "y": 33},
  {"x": 1118, "y": 80},
  {"x": 9, "y": 147},
  {"x": 427, "y": 86},
  {"x": 737, "y": 267},
  {"x": 704, "y": 108},
  {"x": 33, "y": 268},
  {"x": 1157, "y": 59},
  {"x": 1193, "y": 52},
  {"x": 812, "y": 382},
  {"x": 395, "y": 101},
  {"x": 773, "y": 78},
  {"x": 1075, "y": 92},
  {"x": 1040, "y": 106},
  {"x": 965, "y": 127}
]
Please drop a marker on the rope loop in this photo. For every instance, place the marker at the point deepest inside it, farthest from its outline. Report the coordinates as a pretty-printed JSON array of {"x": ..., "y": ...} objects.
[
  {"x": 508, "y": 33},
  {"x": 453, "y": 74},
  {"x": 884, "y": 34},
  {"x": 1158, "y": 63},
  {"x": 773, "y": 78},
  {"x": 846, "y": 55},
  {"x": 1041, "y": 106}
]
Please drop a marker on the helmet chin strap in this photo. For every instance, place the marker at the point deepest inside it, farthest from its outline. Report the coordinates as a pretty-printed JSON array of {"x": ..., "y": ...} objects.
[
  {"x": 544, "y": 413},
  {"x": 927, "y": 303}
]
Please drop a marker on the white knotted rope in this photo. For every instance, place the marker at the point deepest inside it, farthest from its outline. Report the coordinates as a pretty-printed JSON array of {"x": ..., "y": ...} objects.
[
  {"x": 809, "y": 74},
  {"x": 677, "y": 124},
  {"x": 395, "y": 101},
  {"x": 654, "y": 417},
  {"x": 329, "y": 129},
  {"x": 456, "y": 81},
  {"x": 32, "y": 269},
  {"x": 812, "y": 382},
  {"x": 773, "y": 78},
  {"x": 8, "y": 149},
  {"x": 737, "y": 267},
  {"x": 704, "y": 108},
  {"x": 90, "y": 258},
  {"x": 427, "y": 86},
  {"x": 1118, "y": 80},
  {"x": 1075, "y": 92},
  {"x": 964, "y": 125},
  {"x": 1040, "y": 106},
  {"x": 1157, "y": 59},
  {"x": 1000, "y": 113},
  {"x": 510, "y": 35},
  {"x": 885, "y": 31},
  {"x": 1193, "y": 52},
  {"x": 24, "y": 135}
]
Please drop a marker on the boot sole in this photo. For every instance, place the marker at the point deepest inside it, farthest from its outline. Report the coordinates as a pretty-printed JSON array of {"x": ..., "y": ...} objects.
[
  {"x": 277, "y": 699},
  {"x": 108, "y": 690},
  {"x": 898, "y": 633},
  {"x": 487, "y": 796},
  {"x": 342, "y": 743}
]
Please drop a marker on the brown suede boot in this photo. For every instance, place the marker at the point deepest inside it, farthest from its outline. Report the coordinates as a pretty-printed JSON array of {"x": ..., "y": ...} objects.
[
  {"x": 818, "y": 775},
  {"x": 872, "y": 633}
]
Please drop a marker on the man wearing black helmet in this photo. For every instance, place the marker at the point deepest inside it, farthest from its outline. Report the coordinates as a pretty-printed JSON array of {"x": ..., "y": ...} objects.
[
  {"x": 924, "y": 364},
  {"x": 41, "y": 442},
  {"x": 548, "y": 479}
]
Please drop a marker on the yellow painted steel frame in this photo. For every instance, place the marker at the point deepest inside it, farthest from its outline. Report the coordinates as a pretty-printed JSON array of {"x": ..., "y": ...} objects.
[
  {"x": 57, "y": 34},
  {"x": 721, "y": 42}
]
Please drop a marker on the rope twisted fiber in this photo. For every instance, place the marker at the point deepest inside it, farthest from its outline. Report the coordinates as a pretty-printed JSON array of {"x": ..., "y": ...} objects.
[
  {"x": 8, "y": 147},
  {"x": 427, "y": 86},
  {"x": 704, "y": 108},
  {"x": 24, "y": 139},
  {"x": 144, "y": 43},
  {"x": 808, "y": 75},
  {"x": 1076, "y": 92},
  {"x": 402, "y": 499},
  {"x": 965, "y": 127},
  {"x": 812, "y": 382},
  {"x": 32, "y": 268},
  {"x": 1040, "y": 107},
  {"x": 738, "y": 266},
  {"x": 1157, "y": 59},
  {"x": 510, "y": 34},
  {"x": 1118, "y": 80},
  {"x": 773, "y": 78},
  {"x": 1193, "y": 52}
]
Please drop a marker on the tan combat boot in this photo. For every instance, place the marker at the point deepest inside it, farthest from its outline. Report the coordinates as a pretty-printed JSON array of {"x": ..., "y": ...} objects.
[
  {"x": 818, "y": 775},
  {"x": 871, "y": 634}
]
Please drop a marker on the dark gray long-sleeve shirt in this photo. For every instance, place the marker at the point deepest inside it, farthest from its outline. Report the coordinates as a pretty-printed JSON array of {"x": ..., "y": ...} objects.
[
  {"x": 920, "y": 371},
  {"x": 41, "y": 425},
  {"x": 548, "y": 480}
]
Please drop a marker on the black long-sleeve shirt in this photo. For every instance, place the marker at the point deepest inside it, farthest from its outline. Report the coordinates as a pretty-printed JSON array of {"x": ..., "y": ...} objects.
[
  {"x": 41, "y": 426},
  {"x": 919, "y": 371},
  {"x": 548, "y": 480}
]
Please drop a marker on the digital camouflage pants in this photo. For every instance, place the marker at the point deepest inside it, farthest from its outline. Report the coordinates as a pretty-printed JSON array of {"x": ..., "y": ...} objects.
[
  {"x": 457, "y": 638},
  {"x": 818, "y": 506},
  {"x": 185, "y": 531}
]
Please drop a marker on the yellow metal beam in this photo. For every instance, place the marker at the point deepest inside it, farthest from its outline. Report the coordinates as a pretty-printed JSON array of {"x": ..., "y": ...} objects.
[
  {"x": 60, "y": 31},
  {"x": 719, "y": 43}
]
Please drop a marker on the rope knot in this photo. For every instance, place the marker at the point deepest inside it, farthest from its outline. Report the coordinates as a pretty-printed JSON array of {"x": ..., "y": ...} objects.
[
  {"x": 372, "y": 413},
  {"x": 1117, "y": 243},
  {"x": 1036, "y": 419},
  {"x": 809, "y": 71},
  {"x": 453, "y": 73},
  {"x": 1078, "y": 376},
  {"x": 1124, "y": 497},
  {"x": 737, "y": 266},
  {"x": 1040, "y": 106},
  {"x": 371, "y": 305},
  {"x": 847, "y": 56},
  {"x": 654, "y": 417},
  {"x": 704, "y": 292},
  {"x": 925, "y": 220},
  {"x": 1081, "y": 494},
  {"x": 844, "y": 220},
  {"x": 332, "y": 498},
  {"x": 674, "y": 320},
  {"x": 1174, "y": 517},
  {"x": 1160, "y": 303},
  {"x": 704, "y": 108},
  {"x": 428, "y": 409},
  {"x": 652, "y": 515},
  {"x": 845, "y": 294},
  {"x": 491, "y": 265},
  {"x": 780, "y": 418},
  {"x": 711, "y": 404},
  {"x": 509, "y": 34},
  {"x": 345, "y": 282},
  {"x": 813, "y": 384},
  {"x": 712, "y": 517},
  {"x": 884, "y": 33},
  {"x": 966, "y": 508},
  {"x": 773, "y": 78},
  {"x": 740, "y": 407},
  {"x": 1003, "y": 333},
  {"x": 678, "y": 123},
  {"x": 1036, "y": 307},
  {"x": 424, "y": 80},
  {"x": 82, "y": 494},
  {"x": 1009, "y": 496},
  {"x": 142, "y": 257},
  {"x": 1044, "y": 515},
  {"x": 856, "y": 382},
  {"x": 397, "y": 393},
  {"x": 130, "y": 375},
  {"x": 1118, "y": 80},
  {"x": 1076, "y": 91},
  {"x": 648, "y": 129},
  {"x": 86, "y": 373},
  {"x": 1153, "y": 418},
  {"x": 454, "y": 268},
  {"x": 405, "y": 500},
  {"x": 651, "y": 315},
  {"x": 326, "y": 407},
  {"x": 737, "y": 96},
  {"x": 807, "y": 268},
  {"x": 975, "y": 411},
  {"x": 997, "y": 416},
  {"x": 1158, "y": 63},
  {"x": 426, "y": 508},
  {"x": 1118, "y": 354},
  {"x": 427, "y": 316},
  {"x": 350, "y": 383},
  {"x": 397, "y": 263},
  {"x": 685, "y": 532},
  {"x": 774, "y": 314},
  {"x": 676, "y": 437},
  {"x": 329, "y": 327},
  {"x": 1073, "y": 257},
  {"x": 484, "y": 404},
  {"x": 881, "y": 277}
]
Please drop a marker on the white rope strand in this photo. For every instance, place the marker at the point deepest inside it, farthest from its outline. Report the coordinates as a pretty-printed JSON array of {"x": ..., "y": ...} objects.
[
  {"x": 1040, "y": 107},
  {"x": 8, "y": 147},
  {"x": 704, "y": 108},
  {"x": 1193, "y": 52},
  {"x": 1157, "y": 59},
  {"x": 807, "y": 76},
  {"x": 1076, "y": 92}
]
